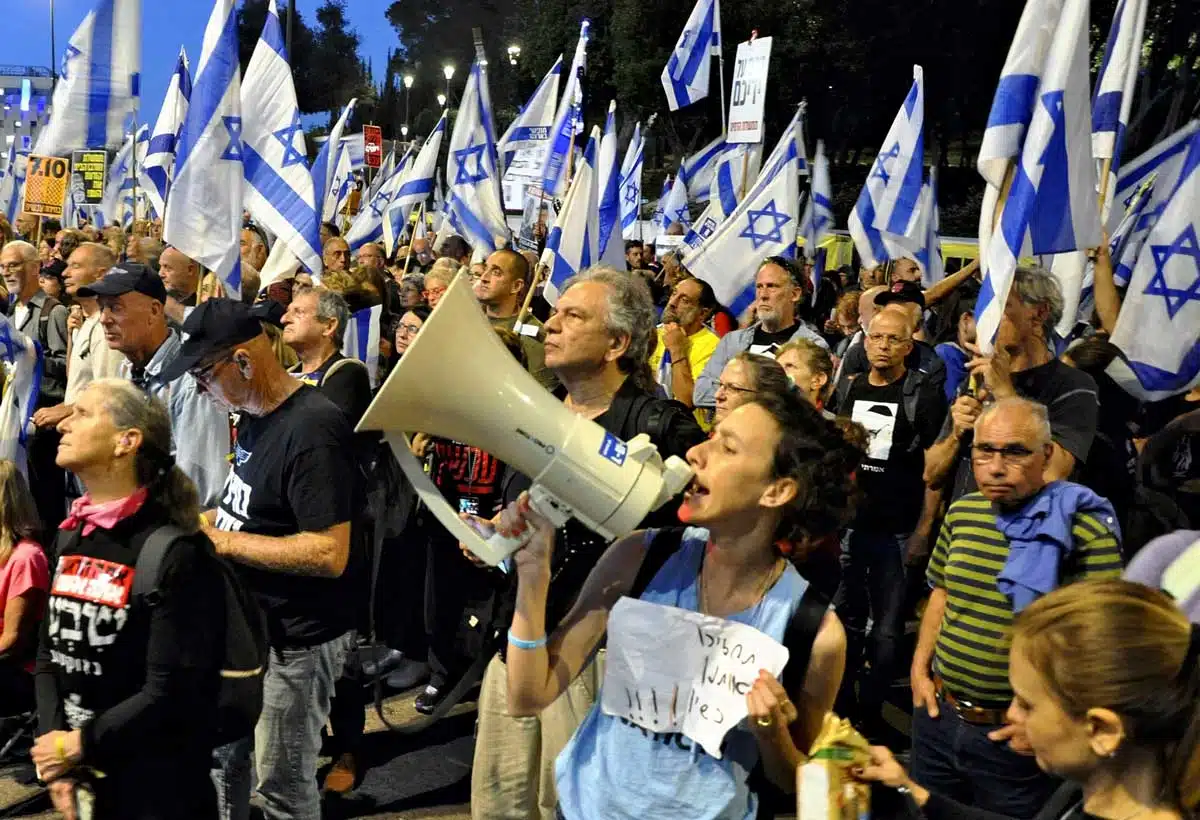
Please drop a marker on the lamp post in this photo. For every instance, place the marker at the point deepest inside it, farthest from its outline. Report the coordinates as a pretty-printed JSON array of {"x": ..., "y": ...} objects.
[
  {"x": 404, "y": 131},
  {"x": 448, "y": 73},
  {"x": 53, "y": 48},
  {"x": 514, "y": 54},
  {"x": 408, "y": 83},
  {"x": 441, "y": 100}
]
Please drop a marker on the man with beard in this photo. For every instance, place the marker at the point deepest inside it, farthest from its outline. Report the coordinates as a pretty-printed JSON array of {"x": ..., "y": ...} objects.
[{"x": 684, "y": 343}]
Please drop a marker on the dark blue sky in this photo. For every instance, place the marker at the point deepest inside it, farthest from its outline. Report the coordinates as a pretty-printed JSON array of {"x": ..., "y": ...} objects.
[{"x": 166, "y": 25}]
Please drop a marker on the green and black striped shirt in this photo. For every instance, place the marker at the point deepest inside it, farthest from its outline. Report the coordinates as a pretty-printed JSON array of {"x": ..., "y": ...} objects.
[{"x": 973, "y": 646}]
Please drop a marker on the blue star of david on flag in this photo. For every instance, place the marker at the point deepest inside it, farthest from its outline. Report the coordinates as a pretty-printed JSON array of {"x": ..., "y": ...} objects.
[
  {"x": 71, "y": 54},
  {"x": 233, "y": 151},
  {"x": 465, "y": 176},
  {"x": 379, "y": 205},
  {"x": 633, "y": 194},
  {"x": 774, "y": 234},
  {"x": 1187, "y": 245},
  {"x": 683, "y": 216},
  {"x": 881, "y": 163},
  {"x": 287, "y": 136}
]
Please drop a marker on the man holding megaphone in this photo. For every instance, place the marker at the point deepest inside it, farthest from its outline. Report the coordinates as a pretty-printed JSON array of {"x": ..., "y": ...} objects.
[{"x": 597, "y": 343}]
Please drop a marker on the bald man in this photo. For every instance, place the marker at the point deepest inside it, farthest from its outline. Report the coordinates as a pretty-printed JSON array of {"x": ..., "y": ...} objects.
[{"x": 501, "y": 290}]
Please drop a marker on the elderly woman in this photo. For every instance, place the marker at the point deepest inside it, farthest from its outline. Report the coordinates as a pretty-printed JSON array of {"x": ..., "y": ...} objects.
[
  {"x": 745, "y": 376},
  {"x": 127, "y": 683}
]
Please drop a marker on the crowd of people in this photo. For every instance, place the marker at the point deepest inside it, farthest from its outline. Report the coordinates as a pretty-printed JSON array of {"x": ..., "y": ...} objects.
[{"x": 196, "y": 491}]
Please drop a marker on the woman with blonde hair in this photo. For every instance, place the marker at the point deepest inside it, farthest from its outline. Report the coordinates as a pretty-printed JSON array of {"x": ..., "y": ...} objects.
[
  {"x": 24, "y": 580},
  {"x": 1106, "y": 682},
  {"x": 810, "y": 367}
]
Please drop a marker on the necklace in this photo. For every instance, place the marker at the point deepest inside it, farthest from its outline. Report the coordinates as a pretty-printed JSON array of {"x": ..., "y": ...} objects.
[{"x": 768, "y": 580}]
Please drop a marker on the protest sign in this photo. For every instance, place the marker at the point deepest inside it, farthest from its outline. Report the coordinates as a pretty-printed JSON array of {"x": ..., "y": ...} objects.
[
  {"x": 88, "y": 169},
  {"x": 749, "y": 91},
  {"x": 672, "y": 670},
  {"x": 45, "y": 186}
]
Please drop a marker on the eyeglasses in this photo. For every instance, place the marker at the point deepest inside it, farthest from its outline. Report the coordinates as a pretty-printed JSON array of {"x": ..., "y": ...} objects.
[
  {"x": 887, "y": 339},
  {"x": 735, "y": 388},
  {"x": 205, "y": 373},
  {"x": 434, "y": 292},
  {"x": 1011, "y": 454},
  {"x": 13, "y": 267},
  {"x": 408, "y": 330}
]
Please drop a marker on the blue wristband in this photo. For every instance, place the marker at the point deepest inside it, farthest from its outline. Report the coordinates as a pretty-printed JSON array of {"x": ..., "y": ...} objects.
[{"x": 521, "y": 643}]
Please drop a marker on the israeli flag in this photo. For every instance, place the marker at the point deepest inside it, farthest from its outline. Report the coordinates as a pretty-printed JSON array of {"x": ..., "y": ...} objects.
[
  {"x": 791, "y": 139},
  {"x": 368, "y": 224},
  {"x": 883, "y": 222},
  {"x": 675, "y": 209},
  {"x": 567, "y": 122},
  {"x": 728, "y": 185},
  {"x": 764, "y": 224},
  {"x": 474, "y": 206},
  {"x": 531, "y": 128},
  {"x": 385, "y": 170},
  {"x": 118, "y": 181},
  {"x": 631, "y": 184},
  {"x": 574, "y": 241},
  {"x": 685, "y": 79},
  {"x": 439, "y": 202},
  {"x": 1113, "y": 98},
  {"x": 1162, "y": 165},
  {"x": 1158, "y": 329},
  {"x": 612, "y": 248},
  {"x": 698, "y": 170},
  {"x": 160, "y": 153},
  {"x": 817, "y": 222},
  {"x": 12, "y": 182},
  {"x": 362, "y": 340},
  {"x": 1121, "y": 248},
  {"x": 340, "y": 188},
  {"x": 325, "y": 171},
  {"x": 414, "y": 188},
  {"x": 279, "y": 186},
  {"x": 203, "y": 218},
  {"x": 99, "y": 80},
  {"x": 929, "y": 251},
  {"x": 658, "y": 220},
  {"x": 21, "y": 358},
  {"x": 1051, "y": 206}
]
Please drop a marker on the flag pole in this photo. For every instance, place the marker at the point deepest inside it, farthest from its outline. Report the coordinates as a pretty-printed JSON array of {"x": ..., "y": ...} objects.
[
  {"x": 408, "y": 257},
  {"x": 1105, "y": 170},
  {"x": 721, "y": 81},
  {"x": 539, "y": 271}
]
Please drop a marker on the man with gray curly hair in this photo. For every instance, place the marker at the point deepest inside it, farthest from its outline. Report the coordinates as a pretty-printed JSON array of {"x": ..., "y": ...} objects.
[
  {"x": 598, "y": 343},
  {"x": 1024, "y": 364}
]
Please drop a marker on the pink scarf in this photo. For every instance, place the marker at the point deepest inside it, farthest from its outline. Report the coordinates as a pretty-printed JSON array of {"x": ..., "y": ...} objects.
[{"x": 106, "y": 515}]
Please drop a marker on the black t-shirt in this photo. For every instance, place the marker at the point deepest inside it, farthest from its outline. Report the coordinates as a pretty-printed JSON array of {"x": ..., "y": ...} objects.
[
  {"x": 767, "y": 342},
  {"x": 468, "y": 477},
  {"x": 294, "y": 471},
  {"x": 891, "y": 474},
  {"x": 923, "y": 357},
  {"x": 1071, "y": 399},
  {"x": 139, "y": 681},
  {"x": 349, "y": 386}
]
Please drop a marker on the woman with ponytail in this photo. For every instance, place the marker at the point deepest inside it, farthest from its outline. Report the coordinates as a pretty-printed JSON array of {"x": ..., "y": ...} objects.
[
  {"x": 1106, "y": 682},
  {"x": 127, "y": 682}
]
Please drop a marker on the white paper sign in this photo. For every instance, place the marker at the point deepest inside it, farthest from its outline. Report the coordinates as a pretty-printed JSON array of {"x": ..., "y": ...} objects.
[
  {"x": 749, "y": 91},
  {"x": 671, "y": 670}
]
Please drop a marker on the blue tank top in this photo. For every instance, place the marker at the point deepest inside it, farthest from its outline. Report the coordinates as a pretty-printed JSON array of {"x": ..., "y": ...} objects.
[{"x": 613, "y": 770}]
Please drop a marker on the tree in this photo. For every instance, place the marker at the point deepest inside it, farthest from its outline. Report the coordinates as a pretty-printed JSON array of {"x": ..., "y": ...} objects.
[
  {"x": 252, "y": 16},
  {"x": 339, "y": 72}
]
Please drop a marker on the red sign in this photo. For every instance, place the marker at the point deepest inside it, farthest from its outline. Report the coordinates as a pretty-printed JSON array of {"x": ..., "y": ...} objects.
[{"x": 373, "y": 146}]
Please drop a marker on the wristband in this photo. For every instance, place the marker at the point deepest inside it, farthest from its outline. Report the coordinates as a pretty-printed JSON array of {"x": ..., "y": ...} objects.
[{"x": 521, "y": 643}]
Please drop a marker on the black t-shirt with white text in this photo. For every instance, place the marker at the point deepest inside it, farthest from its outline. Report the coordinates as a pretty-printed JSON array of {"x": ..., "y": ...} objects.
[
  {"x": 766, "y": 342},
  {"x": 294, "y": 471}
]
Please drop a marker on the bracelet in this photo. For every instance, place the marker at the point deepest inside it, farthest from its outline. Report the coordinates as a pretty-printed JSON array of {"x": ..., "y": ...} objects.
[{"x": 521, "y": 643}]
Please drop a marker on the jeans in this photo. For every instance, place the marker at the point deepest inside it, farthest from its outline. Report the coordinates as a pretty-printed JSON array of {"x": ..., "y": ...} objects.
[
  {"x": 956, "y": 759},
  {"x": 873, "y": 581},
  {"x": 297, "y": 691}
]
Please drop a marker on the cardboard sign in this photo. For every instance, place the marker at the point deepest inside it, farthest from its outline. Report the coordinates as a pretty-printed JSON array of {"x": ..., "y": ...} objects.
[
  {"x": 373, "y": 146},
  {"x": 672, "y": 670},
  {"x": 88, "y": 169},
  {"x": 46, "y": 181},
  {"x": 749, "y": 91}
]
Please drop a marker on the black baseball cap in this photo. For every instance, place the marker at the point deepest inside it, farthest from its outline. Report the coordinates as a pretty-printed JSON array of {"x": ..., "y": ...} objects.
[
  {"x": 213, "y": 326},
  {"x": 128, "y": 277},
  {"x": 902, "y": 292}
]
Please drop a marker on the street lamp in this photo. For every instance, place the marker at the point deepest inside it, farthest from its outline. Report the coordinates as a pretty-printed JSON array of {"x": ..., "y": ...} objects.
[
  {"x": 404, "y": 131},
  {"x": 514, "y": 54},
  {"x": 408, "y": 82},
  {"x": 448, "y": 73},
  {"x": 441, "y": 100}
]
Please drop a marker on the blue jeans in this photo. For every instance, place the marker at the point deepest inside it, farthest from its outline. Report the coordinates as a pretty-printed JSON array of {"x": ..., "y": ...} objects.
[
  {"x": 956, "y": 759},
  {"x": 873, "y": 582},
  {"x": 297, "y": 692}
]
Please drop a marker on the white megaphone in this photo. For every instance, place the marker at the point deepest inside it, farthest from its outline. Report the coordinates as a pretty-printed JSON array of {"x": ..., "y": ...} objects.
[{"x": 457, "y": 380}]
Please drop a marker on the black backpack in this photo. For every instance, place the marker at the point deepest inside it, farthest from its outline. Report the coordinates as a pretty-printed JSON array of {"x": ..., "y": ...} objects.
[{"x": 245, "y": 654}]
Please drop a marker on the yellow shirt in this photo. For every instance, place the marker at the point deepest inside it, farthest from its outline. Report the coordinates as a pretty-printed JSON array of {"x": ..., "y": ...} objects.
[{"x": 701, "y": 345}]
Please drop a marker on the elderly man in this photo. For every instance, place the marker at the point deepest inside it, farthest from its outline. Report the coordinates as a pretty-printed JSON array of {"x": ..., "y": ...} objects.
[
  {"x": 778, "y": 290},
  {"x": 254, "y": 248},
  {"x": 371, "y": 255},
  {"x": 501, "y": 290},
  {"x": 43, "y": 319},
  {"x": 132, "y": 304},
  {"x": 284, "y": 517},
  {"x": 1018, "y": 537},
  {"x": 421, "y": 256},
  {"x": 336, "y": 255},
  {"x": 315, "y": 327},
  {"x": 1022, "y": 365},
  {"x": 456, "y": 248},
  {"x": 181, "y": 277},
  {"x": 685, "y": 344},
  {"x": 595, "y": 343}
]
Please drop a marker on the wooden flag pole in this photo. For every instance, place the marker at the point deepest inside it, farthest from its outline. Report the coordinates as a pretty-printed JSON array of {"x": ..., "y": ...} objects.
[
  {"x": 408, "y": 258},
  {"x": 539, "y": 271},
  {"x": 1105, "y": 170}
]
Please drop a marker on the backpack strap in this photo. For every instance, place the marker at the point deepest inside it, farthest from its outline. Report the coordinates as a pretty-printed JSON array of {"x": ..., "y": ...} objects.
[
  {"x": 148, "y": 568},
  {"x": 801, "y": 632},
  {"x": 43, "y": 328},
  {"x": 666, "y": 542},
  {"x": 338, "y": 365}
]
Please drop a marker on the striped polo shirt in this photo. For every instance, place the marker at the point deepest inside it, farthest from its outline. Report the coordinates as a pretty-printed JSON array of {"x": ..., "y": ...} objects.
[{"x": 973, "y": 646}]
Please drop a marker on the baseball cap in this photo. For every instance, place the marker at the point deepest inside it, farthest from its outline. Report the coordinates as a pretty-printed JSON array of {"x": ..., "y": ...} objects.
[
  {"x": 902, "y": 292},
  {"x": 128, "y": 277},
  {"x": 213, "y": 326}
]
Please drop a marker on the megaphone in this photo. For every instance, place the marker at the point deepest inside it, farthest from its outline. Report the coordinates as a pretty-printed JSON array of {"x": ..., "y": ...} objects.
[{"x": 457, "y": 380}]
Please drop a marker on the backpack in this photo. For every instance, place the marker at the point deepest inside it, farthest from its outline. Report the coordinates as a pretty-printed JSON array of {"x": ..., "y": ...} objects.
[
  {"x": 245, "y": 653},
  {"x": 43, "y": 328}
]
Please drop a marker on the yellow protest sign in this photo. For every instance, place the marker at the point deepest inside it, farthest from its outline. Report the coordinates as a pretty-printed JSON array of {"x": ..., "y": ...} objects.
[{"x": 46, "y": 181}]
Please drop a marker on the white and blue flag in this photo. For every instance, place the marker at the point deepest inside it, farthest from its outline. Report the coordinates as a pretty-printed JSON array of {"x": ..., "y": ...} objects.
[
  {"x": 764, "y": 224},
  {"x": 631, "y": 184},
  {"x": 414, "y": 188},
  {"x": 685, "y": 79},
  {"x": 531, "y": 128},
  {"x": 574, "y": 242},
  {"x": 473, "y": 205},
  {"x": 118, "y": 185},
  {"x": 612, "y": 248},
  {"x": 929, "y": 250},
  {"x": 340, "y": 188},
  {"x": 159, "y": 164},
  {"x": 1122, "y": 248},
  {"x": 12, "y": 181},
  {"x": 1158, "y": 329},
  {"x": 658, "y": 219},
  {"x": 204, "y": 212},
  {"x": 385, "y": 171},
  {"x": 791, "y": 138},
  {"x": 817, "y": 222},
  {"x": 675, "y": 208},
  {"x": 698, "y": 170},
  {"x": 883, "y": 222},
  {"x": 368, "y": 224},
  {"x": 568, "y": 120},
  {"x": 99, "y": 80},
  {"x": 729, "y": 184},
  {"x": 279, "y": 185},
  {"x": 22, "y": 358},
  {"x": 1112, "y": 101},
  {"x": 362, "y": 340},
  {"x": 326, "y": 183},
  {"x": 1051, "y": 206}
]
